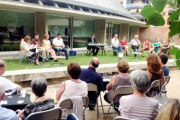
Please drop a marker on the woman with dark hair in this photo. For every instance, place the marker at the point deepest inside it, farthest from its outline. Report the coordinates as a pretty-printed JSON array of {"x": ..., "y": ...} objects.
[
  {"x": 27, "y": 48},
  {"x": 42, "y": 102},
  {"x": 72, "y": 87},
  {"x": 154, "y": 69},
  {"x": 123, "y": 78}
]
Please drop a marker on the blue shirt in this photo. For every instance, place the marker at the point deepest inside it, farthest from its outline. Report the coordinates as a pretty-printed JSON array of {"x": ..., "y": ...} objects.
[
  {"x": 165, "y": 70},
  {"x": 91, "y": 76},
  {"x": 7, "y": 114}
]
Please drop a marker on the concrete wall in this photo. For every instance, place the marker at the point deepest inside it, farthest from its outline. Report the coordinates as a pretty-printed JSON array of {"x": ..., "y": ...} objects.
[
  {"x": 41, "y": 23},
  {"x": 100, "y": 30},
  {"x": 124, "y": 31},
  {"x": 134, "y": 31}
]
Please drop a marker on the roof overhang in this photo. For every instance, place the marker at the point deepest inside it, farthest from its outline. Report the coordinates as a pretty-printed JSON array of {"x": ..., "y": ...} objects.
[{"x": 29, "y": 7}]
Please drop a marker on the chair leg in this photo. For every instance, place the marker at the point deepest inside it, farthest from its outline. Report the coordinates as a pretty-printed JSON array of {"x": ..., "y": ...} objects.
[
  {"x": 108, "y": 112},
  {"x": 102, "y": 106},
  {"x": 97, "y": 112},
  {"x": 113, "y": 111}
]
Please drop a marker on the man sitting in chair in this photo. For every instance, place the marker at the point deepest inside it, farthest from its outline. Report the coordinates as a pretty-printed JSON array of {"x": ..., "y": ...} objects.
[
  {"x": 116, "y": 44},
  {"x": 93, "y": 40},
  {"x": 135, "y": 44},
  {"x": 60, "y": 46}
]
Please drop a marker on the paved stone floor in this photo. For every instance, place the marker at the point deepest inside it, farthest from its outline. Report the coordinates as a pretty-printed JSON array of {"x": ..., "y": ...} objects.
[{"x": 172, "y": 88}]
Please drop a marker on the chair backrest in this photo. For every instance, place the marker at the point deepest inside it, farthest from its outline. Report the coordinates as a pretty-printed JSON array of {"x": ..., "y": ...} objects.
[
  {"x": 154, "y": 84},
  {"x": 92, "y": 87},
  {"x": 122, "y": 118},
  {"x": 52, "y": 114},
  {"x": 67, "y": 103},
  {"x": 124, "y": 90},
  {"x": 72, "y": 116},
  {"x": 167, "y": 78}
]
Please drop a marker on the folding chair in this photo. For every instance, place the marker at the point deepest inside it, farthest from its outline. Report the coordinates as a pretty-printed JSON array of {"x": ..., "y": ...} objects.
[
  {"x": 67, "y": 104},
  {"x": 93, "y": 88},
  {"x": 163, "y": 88},
  {"x": 72, "y": 116},
  {"x": 122, "y": 118},
  {"x": 154, "y": 84},
  {"x": 121, "y": 90},
  {"x": 22, "y": 55},
  {"x": 89, "y": 51},
  {"x": 52, "y": 114}
]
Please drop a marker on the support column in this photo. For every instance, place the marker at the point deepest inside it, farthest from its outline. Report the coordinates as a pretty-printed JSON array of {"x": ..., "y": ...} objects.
[
  {"x": 100, "y": 30},
  {"x": 71, "y": 32},
  {"x": 134, "y": 31},
  {"x": 41, "y": 24},
  {"x": 124, "y": 31}
]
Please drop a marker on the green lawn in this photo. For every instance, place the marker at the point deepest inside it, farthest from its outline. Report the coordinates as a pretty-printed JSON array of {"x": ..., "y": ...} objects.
[{"x": 81, "y": 59}]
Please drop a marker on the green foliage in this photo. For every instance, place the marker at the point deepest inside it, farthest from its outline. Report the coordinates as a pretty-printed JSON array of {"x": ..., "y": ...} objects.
[
  {"x": 174, "y": 16},
  {"x": 174, "y": 28},
  {"x": 175, "y": 51},
  {"x": 148, "y": 10},
  {"x": 155, "y": 19},
  {"x": 159, "y": 5}
]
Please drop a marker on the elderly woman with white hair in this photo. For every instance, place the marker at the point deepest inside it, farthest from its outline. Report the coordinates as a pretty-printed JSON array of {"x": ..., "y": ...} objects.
[
  {"x": 135, "y": 43},
  {"x": 42, "y": 102},
  {"x": 138, "y": 105}
]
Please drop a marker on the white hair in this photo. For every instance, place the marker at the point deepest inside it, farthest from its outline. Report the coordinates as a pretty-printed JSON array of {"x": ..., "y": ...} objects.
[
  {"x": 2, "y": 89},
  {"x": 136, "y": 36},
  {"x": 140, "y": 80}
]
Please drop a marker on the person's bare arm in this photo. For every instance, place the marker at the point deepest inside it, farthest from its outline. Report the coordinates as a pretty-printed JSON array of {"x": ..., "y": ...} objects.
[
  {"x": 149, "y": 74},
  {"x": 20, "y": 114},
  {"x": 60, "y": 91},
  {"x": 111, "y": 83},
  {"x": 19, "y": 88},
  {"x": 162, "y": 77},
  {"x": 43, "y": 43}
]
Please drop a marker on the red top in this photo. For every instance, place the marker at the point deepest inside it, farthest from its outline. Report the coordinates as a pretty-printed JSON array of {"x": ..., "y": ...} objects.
[{"x": 123, "y": 42}]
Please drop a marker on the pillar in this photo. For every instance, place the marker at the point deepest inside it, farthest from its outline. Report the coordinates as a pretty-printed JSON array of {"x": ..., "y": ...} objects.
[
  {"x": 124, "y": 31},
  {"x": 41, "y": 24},
  {"x": 100, "y": 30},
  {"x": 134, "y": 31},
  {"x": 125, "y": 3}
]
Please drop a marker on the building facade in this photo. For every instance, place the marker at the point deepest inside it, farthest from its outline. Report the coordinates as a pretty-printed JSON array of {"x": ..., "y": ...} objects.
[{"x": 78, "y": 19}]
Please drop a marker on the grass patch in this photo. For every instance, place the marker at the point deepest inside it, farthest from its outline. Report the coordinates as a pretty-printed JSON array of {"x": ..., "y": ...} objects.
[{"x": 81, "y": 59}]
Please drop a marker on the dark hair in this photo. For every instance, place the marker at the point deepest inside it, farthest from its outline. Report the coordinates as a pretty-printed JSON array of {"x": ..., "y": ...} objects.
[
  {"x": 164, "y": 58},
  {"x": 93, "y": 63},
  {"x": 92, "y": 34},
  {"x": 74, "y": 70},
  {"x": 39, "y": 86},
  {"x": 59, "y": 34},
  {"x": 36, "y": 34},
  {"x": 123, "y": 66},
  {"x": 2, "y": 63}
]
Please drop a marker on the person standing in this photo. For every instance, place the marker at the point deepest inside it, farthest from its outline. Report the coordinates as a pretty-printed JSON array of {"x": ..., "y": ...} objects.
[
  {"x": 135, "y": 44},
  {"x": 93, "y": 40},
  {"x": 60, "y": 46},
  {"x": 43, "y": 51},
  {"x": 115, "y": 44},
  {"x": 90, "y": 75},
  {"x": 5, "y": 114}
]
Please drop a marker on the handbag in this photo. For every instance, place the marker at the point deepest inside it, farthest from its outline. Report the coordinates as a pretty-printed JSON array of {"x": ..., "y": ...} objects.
[{"x": 72, "y": 53}]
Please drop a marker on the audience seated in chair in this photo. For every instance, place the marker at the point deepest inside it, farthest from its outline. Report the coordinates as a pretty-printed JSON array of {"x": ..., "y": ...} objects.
[
  {"x": 116, "y": 44},
  {"x": 125, "y": 46},
  {"x": 138, "y": 105},
  {"x": 28, "y": 48},
  {"x": 42, "y": 102},
  {"x": 44, "y": 52},
  {"x": 154, "y": 70},
  {"x": 135, "y": 43},
  {"x": 47, "y": 46},
  {"x": 170, "y": 110},
  {"x": 146, "y": 46},
  {"x": 60, "y": 46},
  {"x": 95, "y": 49},
  {"x": 73, "y": 87},
  {"x": 155, "y": 46},
  {"x": 164, "y": 60},
  {"x": 8, "y": 84},
  {"x": 91, "y": 76},
  {"x": 123, "y": 78},
  {"x": 166, "y": 46},
  {"x": 5, "y": 114}
]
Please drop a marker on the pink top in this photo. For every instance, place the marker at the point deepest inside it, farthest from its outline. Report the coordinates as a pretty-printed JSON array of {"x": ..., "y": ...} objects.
[{"x": 123, "y": 42}]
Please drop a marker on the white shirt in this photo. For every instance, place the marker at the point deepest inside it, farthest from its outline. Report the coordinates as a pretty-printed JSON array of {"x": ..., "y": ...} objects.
[
  {"x": 8, "y": 84},
  {"x": 58, "y": 42},
  {"x": 135, "y": 42},
  {"x": 115, "y": 43}
]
